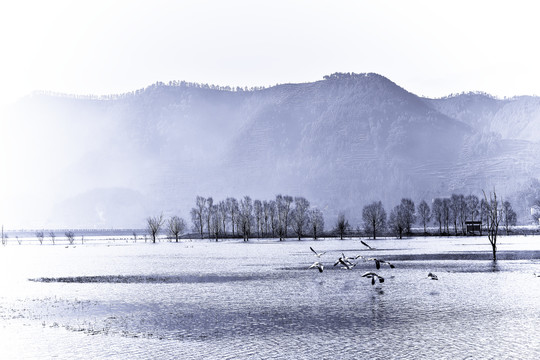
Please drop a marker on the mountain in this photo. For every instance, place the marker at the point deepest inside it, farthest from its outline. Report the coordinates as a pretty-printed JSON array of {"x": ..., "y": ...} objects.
[{"x": 341, "y": 142}]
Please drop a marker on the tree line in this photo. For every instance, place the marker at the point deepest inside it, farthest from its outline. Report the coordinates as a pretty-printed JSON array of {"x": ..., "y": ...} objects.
[
  {"x": 287, "y": 216},
  {"x": 280, "y": 217}
]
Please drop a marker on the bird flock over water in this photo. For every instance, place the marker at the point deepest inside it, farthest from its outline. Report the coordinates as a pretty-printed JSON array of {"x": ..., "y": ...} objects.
[{"x": 348, "y": 263}]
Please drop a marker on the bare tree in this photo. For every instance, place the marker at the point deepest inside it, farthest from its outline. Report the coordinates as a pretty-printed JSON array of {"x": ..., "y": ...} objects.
[
  {"x": 40, "y": 236},
  {"x": 215, "y": 222},
  {"x": 258, "y": 211},
  {"x": 176, "y": 227},
  {"x": 52, "y": 235},
  {"x": 153, "y": 226},
  {"x": 70, "y": 236},
  {"x": 446, "y": 213},
  {"x": 224, "y": 216},
  {"x": 274, "y": 218},
  {"x": 266, "y": 216},
  {"x": 282, "y": 213},
  {"x": 134, "y": 236},
  {"x": 424, "y": 212},
  {"x": 472, "y": 205},
  {"x": 438, "y": 213},
  {"x": 342, "y": 225},
  {"x": 408, "y": 214},
  {"x": 494, "y": 212},
  {"x": 454, "y": 211},
  {"x": 208, "y": 213},
  {"x": 463, "y": 212},
  {"x": 374, "y": 218},
  {"x": 232, "y": 206},
  {"x": 509, "y": 216},
  {"x": 300, "y": 215},
  {"x": 316, "y": 221},
  {"x": 484, "y": 214},
  {"x": 246, "y": 217},
  {"x": 396, "y": 220},
  {"x": 197, "y": 215}
]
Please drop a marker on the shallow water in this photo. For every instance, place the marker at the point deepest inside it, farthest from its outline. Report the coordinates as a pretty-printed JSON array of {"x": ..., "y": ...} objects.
[{"x": 258, "y": 300}]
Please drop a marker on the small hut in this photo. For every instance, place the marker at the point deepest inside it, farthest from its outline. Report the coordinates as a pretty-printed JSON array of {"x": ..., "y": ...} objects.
[{"x": 473, "y": 227}]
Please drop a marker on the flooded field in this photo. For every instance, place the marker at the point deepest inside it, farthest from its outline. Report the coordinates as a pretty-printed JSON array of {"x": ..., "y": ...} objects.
[{"x": 259, "y": 300}]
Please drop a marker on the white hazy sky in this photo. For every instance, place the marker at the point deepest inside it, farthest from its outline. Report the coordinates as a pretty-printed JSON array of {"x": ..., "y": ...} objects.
[{"x": 431, "y": 48}]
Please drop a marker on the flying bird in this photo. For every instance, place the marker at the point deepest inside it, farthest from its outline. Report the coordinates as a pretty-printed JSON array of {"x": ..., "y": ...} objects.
[
  {"x": 378, "y": 263},
  {"x": 366, "y": 245},
  {"x": 316, "y": 253},
  {"x": 372, "y": 276},
  {"x": 317, "y": 265},
  {"x": 432, "y": 276},
  {"x": 346, "y": 261}
]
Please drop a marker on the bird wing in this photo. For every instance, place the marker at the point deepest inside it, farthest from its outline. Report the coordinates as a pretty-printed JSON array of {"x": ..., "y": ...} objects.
[
  {"x": 363, "y": 243},
  {"x": 313, "y": 250}
]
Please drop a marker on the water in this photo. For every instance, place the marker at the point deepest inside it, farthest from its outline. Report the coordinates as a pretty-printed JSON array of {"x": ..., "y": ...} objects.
[{"x": 258, "y": 300}]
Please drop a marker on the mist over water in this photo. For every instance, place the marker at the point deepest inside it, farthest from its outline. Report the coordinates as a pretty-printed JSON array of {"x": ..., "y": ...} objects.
[{"x": 259, "y": 300}]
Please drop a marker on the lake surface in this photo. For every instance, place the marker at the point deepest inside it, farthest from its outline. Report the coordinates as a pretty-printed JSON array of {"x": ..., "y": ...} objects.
[{"x": 257, "y": 300}]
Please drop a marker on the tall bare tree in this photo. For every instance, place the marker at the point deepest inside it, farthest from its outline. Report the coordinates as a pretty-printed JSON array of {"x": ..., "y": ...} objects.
[
  {"x": 287, "y": 201},
  {"x": 494, "y": 213},
  {"x": 454, "y": 211},
  {"x": 472, "y": 206},
  {"x": 342, "y": 225},
  {"x": 52, "y": 235},
  {"x": 246, "y": 217},
  {"x": 446, "y": 213},
  {"x": 396, "y": 220},
  {"x": 208, "y": 213},
  {"x": 374, "y": 218},
  {"x": 274, "y": 218},
  {"x": 224, "y": 216},
  {"x": 316, "y": 222},
  {"x": 282, "y": 213},
  {"x": 484, "y": 214},
  {"x": 300, "y": 216},
  {"x": 232, "y": 205},
  {"x": 258, "y": 212},
  {"x": 408, "y": 214},
  {"x": 266, "y": 216},
  {"x": 40, "y": 236},
  {"x": 176, "y": 227},
  {"x": 437, "y": 209},
  {"x": 509, "y": 216},
  {"x": 153, "y": 226},
  {"x": 70, "y": 236},
  {"x": 424, "y": 212},
  {"x": 215, "y": 222},
  {"x": 197, "y": 215}
]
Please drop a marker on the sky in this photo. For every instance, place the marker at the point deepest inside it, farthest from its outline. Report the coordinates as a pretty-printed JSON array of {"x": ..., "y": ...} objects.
[{"x": 431, "y": 48}]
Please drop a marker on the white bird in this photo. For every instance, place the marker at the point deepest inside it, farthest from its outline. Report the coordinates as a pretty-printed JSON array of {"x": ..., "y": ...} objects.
[
  {"x": 363, "y": 243},
  {"x": 536, "y": 274},
  {"x": 316, "y": 253},
  {"x": 432, "y": 276},
  {"x": 318, "y": 265},
  {"x": 346, "y": 261},
  {"x": 372, "y": 276}
]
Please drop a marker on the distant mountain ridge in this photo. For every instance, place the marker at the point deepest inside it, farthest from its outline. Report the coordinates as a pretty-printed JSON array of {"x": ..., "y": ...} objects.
[{"x": 342, "y": 142}]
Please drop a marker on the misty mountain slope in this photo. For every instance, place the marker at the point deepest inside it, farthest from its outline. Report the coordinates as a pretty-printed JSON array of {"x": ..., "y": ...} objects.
[
  {"x": 475, "y": 109},
  {"x": 341, "y": 142},
  {"x": 516, "y": 118},
  {"x": 366, "y": 136}
]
